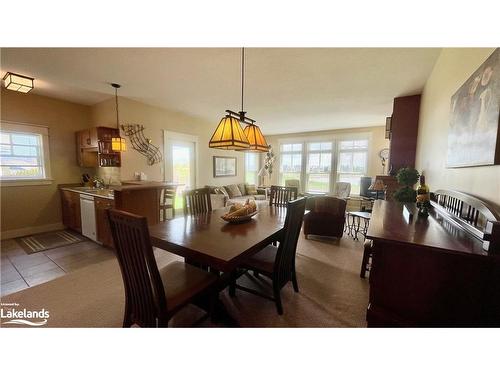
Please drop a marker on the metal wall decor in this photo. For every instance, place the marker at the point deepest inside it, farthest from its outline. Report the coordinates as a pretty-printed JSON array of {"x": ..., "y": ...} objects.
[{"x": 140, "y": 143}]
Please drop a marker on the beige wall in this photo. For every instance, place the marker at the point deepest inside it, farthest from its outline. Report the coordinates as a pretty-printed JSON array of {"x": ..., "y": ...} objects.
[
  {"x": 452, "y": 69},
  {"x": 39, "y": 206},
  {"x": 155, "y": 121},
  {"x": 376, "y": 135}
]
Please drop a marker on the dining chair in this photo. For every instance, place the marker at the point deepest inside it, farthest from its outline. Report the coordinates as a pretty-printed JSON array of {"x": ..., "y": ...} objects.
[
  {"x": 277, "y": 263},
  {"x": 197, "y": 201},
  {"x": 152, "y": 295},
  {"x": 167, "y": 202},
  {"x": 293, "y": 183},
  {"x": 281, "y": 195}
]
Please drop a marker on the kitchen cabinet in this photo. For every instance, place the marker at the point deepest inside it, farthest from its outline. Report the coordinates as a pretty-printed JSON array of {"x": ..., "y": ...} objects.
[
  {"x": 88, "y": 138},
  {"x": 71, "y": 210},
  {"x": 94, "y": 148},
  {"x": 103, "y": 229}
]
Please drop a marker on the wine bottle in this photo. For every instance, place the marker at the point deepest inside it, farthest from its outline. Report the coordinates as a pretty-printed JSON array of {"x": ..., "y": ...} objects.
[{"x": 423, "y": 191}]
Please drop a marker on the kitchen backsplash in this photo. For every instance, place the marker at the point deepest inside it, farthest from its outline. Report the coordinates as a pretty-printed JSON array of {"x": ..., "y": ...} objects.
[{"x": 110, "y": 175}]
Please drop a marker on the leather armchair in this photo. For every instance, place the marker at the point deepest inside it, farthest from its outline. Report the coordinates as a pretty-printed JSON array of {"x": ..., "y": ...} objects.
[{"x": 326, "y": 216}]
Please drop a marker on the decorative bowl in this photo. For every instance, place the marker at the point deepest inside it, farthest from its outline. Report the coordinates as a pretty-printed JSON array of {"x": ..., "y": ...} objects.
[{"x": 239, "y": 219}]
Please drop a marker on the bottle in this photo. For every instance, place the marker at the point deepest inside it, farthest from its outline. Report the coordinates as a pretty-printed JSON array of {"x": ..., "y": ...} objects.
[{"x": 423, "y": 194}]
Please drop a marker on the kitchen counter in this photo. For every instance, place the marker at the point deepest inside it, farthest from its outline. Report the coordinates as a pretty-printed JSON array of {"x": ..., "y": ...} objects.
[{"x": 100, "y": 193}]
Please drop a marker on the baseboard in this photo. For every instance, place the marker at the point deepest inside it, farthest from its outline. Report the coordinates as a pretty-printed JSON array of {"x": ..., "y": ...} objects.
[{"x": 14, "y": 233}]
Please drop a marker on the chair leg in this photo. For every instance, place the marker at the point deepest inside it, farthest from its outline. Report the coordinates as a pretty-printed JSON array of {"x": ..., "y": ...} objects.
[
  {"x": 232, "y": 285},
  {"x": 294, "y": 282},
  {"x": 277, "y": 299}
]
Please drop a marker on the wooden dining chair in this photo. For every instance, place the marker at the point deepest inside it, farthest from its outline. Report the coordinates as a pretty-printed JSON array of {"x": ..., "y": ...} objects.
[
  {"x": 281, "y": 195},
  {"x": 277, "y": 263},
  {"x": 152, "y": 295},
  {"x": 167, "y": 202},
  {"x": 197, "y": 201}
]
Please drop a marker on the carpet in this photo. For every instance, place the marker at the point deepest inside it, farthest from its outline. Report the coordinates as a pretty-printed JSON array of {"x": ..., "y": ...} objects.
[
  {"x": 49, "y": 240},
  {"x": 331, "y": 293}
]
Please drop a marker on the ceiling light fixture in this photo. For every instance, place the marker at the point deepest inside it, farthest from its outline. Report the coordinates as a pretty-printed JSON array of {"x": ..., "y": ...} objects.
[
  {"x": 17, "y": 82},
  {"x": 230, "y": 136},
  {"x": 117, "y": 143}
]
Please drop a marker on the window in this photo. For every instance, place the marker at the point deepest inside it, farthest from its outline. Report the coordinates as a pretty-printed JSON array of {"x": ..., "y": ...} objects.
[
  {"x": 290, "y": 162},
  {"x": 23, "y": 153},
  {"x": 251, "y": 168},
  {"x": 352, "y": 162},
  {"x": 318, "y": 170}
]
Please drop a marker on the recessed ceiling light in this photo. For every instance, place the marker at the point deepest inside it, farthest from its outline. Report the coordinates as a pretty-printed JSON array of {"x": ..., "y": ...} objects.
[{"x": 17, "y": 82}]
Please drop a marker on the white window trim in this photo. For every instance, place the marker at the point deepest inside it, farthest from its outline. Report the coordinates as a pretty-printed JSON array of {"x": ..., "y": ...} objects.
[
  {"x": 335, "y": 139},
  {"x": 43, "y": 130}
]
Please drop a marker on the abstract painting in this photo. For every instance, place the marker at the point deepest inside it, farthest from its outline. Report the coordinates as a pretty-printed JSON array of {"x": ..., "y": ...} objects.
[{"x": 473, "y": 137}]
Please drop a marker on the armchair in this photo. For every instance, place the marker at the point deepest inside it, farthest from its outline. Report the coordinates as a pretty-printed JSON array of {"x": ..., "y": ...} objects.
[{"x": 326, "y": 216}]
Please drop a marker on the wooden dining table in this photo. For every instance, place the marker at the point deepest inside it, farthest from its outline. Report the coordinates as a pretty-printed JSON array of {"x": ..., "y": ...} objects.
[{"x": 208, "y": 240}]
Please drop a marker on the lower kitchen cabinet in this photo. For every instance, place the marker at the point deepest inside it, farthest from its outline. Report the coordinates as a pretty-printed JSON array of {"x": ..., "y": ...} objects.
[
  {"x": 71, "y": 215},
  {"x": 102, "y": 224}
]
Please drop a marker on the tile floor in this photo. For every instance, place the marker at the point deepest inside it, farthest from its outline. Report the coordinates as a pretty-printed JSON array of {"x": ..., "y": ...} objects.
[{"x": 20, "y": 270}]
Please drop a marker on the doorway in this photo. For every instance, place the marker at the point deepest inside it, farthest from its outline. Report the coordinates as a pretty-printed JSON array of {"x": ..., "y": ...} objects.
[{"x": 181, "y": 163}]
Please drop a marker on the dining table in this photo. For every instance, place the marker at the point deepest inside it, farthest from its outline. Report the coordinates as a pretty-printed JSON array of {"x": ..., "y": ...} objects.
[{"x": 221, "y": 246}]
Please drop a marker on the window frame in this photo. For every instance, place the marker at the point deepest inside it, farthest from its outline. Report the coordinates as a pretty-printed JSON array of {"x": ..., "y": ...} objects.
[
  {"x": 302, "y": 153},
  {"x": 365, "y": 150},
  {"x": 43, "y": 132},
  {"x": 320, "y": 152}
]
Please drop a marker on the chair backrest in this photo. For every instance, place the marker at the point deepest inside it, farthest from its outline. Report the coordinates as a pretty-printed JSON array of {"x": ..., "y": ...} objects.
[
  {"x": 167, "y": 201},
  {"x": 144, "y": 293},
  {"x": 197, "y": 201},
  {"x": 342, "y": 189},
  {"x": 331, "y": 205},
  {"x": 281, "y": 195},
  {"x": 293, "y": 183},
  {"x": 285, "y": 257}
]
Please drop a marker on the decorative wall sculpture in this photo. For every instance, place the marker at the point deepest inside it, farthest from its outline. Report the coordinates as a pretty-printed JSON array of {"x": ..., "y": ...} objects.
[
  {"x": 140, "y": 143},
  {"x": 473, "y": 138}
]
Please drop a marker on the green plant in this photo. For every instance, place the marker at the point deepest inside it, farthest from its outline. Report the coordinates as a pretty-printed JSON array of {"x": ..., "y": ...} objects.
[{"x": 407, "y": 177}]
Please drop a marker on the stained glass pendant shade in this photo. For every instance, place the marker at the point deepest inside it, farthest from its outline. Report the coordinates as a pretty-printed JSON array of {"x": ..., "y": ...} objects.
[
  {"x": 256, "y": 140},
  {"x": 229, "y": 135}
]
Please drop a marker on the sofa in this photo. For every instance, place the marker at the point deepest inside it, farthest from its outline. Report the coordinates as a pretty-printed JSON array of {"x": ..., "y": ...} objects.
[{"x": 223, "y": 196}]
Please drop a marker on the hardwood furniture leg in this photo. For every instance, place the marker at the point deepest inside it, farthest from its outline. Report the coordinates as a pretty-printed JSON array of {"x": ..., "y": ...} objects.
[{"x": 367, "y": 252}]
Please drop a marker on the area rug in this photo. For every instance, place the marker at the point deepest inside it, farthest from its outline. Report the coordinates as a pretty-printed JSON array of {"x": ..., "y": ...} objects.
[{"x": 50, "y": 240}]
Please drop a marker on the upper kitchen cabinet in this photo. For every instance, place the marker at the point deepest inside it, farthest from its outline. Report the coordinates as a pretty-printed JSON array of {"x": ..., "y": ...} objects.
[
  {"x": 94, "y": 148},
  {"x": 88, "y": 138}
]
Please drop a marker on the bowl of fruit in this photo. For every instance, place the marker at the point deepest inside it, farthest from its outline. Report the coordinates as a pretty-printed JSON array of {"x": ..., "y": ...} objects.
[{"x": 239, "y": 213}]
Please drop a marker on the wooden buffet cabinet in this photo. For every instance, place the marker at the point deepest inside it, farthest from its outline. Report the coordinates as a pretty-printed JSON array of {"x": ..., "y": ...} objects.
[{"x": 435, "y": 271}]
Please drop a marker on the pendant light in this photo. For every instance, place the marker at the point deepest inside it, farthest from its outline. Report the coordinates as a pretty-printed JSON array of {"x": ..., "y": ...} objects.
[
  {"x": 117, "y": 143},
  {"x": 230, "y": 136}
]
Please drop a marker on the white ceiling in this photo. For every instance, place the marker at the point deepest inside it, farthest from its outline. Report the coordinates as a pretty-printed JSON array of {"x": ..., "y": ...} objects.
[{"x": 286, "y": 90}]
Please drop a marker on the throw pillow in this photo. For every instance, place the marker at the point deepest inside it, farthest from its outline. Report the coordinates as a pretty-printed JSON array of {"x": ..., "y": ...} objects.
[
  {"x": 251, "y": 189},
  {"x": 212, "y": 188},
  {"x": 233, "y": 191},
  {"x": 242, "y": 189},
  {"x": 221, "y": 190}
]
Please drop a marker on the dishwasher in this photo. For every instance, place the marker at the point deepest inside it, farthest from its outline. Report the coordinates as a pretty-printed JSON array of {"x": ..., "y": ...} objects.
[{"x": 87, "y": 210}]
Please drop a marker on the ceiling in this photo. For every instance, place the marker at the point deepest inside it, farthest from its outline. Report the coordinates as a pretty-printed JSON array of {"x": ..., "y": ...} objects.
[{"x": 286, "y": 89}]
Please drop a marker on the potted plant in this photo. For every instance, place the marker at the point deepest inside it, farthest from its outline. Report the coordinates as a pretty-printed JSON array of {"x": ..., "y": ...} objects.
[{"x": 407, "y": 178}]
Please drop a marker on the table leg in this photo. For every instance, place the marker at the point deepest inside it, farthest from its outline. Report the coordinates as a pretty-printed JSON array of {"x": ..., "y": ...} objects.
[{"x": 356, "y": 228}]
